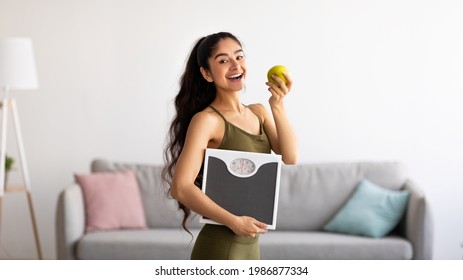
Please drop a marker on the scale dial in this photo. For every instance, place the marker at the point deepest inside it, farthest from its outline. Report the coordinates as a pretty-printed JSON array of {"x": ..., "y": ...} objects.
[{"x": 242, "y": 166}]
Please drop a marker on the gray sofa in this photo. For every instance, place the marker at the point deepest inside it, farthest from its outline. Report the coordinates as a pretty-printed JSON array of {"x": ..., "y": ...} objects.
[{"x": 310, "y": 194}]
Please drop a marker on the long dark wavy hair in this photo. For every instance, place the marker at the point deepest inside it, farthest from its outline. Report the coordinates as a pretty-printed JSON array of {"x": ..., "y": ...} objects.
[{"x": 195, "y": 95}]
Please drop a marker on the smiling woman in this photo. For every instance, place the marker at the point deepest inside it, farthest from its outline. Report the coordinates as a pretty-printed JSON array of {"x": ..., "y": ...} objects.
[
  {"x": 227, "y": 69},
  {"x": 209, "y": 114}
]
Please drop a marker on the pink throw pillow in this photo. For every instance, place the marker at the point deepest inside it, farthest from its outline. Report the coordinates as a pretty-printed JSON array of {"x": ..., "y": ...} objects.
[{"x": 112, "y": 201}]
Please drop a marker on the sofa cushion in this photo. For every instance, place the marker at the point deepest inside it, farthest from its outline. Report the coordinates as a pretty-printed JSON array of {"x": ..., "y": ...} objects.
[
  {"x": 170, "y": 244},
  {"x": 149, "y": 244},
  {"x": 371, "y": 211},
  {"x": 112, "y": 201},
  {"x": 292, "y": 245},
  {"x": 317, "y": 191}
]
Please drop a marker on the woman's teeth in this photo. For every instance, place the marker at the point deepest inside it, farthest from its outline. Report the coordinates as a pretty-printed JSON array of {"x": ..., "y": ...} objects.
[{"x": 237, "y": 76}]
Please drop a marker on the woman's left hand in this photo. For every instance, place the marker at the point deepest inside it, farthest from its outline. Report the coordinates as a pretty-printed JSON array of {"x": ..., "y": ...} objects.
[{"x": 279, "y": 92}]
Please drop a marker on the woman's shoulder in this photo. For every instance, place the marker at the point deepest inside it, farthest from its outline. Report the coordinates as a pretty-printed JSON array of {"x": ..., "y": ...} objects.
[
  {"x": 206, "y": 117},
  {"x": 207, "y": 124},
  {"x": 258, "y": 109}
]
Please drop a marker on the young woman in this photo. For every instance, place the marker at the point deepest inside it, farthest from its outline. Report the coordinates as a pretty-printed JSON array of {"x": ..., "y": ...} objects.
[{"x": 209, "y": 114}]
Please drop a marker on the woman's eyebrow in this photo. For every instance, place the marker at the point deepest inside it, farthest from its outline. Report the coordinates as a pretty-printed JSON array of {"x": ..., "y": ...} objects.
[{"x": 224, "y": 54}]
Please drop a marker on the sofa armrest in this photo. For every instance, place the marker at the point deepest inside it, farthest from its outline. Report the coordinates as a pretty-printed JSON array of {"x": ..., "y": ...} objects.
[
  {"x": 70, "y": 221},
  {"x": 418, "y": 223}
]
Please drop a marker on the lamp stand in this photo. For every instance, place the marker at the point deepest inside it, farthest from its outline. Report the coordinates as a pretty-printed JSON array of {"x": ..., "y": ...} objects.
[{"x": 6, "y": 105}]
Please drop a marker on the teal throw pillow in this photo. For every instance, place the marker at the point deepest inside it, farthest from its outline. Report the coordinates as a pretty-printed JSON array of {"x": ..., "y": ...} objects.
[{"x": 371, "y": 211}]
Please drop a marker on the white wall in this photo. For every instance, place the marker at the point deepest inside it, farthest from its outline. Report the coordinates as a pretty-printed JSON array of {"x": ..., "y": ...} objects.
[{"x": 375, "y": 80}]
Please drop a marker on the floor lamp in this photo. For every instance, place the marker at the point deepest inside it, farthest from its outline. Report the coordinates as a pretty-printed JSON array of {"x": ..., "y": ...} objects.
[{"x": 17, "y": 71}]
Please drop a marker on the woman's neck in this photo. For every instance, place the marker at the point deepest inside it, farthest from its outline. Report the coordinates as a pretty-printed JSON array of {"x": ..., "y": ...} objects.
[{"x": 228, "y": 102}]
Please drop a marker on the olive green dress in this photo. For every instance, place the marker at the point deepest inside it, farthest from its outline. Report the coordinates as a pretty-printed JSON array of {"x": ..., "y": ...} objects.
[{"x": 217, "y": 242}]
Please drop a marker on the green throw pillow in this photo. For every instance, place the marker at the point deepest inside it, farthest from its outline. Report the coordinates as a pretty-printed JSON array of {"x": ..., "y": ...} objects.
[{"x": 371, "y": 211}]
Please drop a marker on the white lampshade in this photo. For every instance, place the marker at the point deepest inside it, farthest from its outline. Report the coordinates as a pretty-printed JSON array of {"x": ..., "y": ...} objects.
[{"x": 17, "y": 64}]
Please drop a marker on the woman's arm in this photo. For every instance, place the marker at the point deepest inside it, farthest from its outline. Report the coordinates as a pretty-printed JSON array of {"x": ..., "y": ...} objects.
[
  {"x": 278, "y": 128},
  {"x": 200, "y": 134}
]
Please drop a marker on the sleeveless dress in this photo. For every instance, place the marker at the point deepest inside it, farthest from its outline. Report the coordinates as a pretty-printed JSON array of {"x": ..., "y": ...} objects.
[{"x": 219, "y": 242}]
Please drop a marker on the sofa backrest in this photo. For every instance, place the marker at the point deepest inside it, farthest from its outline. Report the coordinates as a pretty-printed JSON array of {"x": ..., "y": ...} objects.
[
  {"x": 311, "y": 194},
  {"x": 161, "y": 210}
]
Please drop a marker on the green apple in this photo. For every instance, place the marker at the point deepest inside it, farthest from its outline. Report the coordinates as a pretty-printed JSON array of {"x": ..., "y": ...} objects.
[{"x": 277, "y": 70}]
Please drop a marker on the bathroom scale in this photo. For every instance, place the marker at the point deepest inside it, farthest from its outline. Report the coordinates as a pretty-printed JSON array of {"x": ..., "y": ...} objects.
[{"x": 243, "y": 183}]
